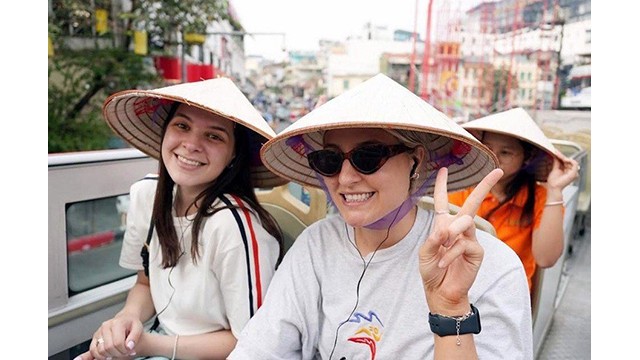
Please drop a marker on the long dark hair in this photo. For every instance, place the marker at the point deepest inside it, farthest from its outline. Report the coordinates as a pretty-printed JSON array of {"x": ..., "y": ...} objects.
[
  {"x": 234, "y": 179},
  {"x": 525, "y": 177}
]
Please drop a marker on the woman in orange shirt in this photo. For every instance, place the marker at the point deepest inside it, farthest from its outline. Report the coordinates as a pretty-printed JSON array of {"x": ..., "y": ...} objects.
[{"x": 525, "y": 206}]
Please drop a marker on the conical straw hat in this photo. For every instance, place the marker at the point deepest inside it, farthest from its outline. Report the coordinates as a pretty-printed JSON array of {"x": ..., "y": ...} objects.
[
  {"x": 517, "y": 123},
  {"x": 138, "y": 116},
  {"x": 380, "y": 103}
]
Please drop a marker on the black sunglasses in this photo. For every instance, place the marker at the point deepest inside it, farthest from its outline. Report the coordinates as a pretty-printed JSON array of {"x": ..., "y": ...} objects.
[{"x": 366, "y": 159}]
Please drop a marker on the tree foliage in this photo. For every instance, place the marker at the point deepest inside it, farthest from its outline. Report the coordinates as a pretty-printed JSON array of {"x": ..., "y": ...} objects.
[
  {"x": 78, "y": 85},
  {"x": 89, "y": 66},
  {"x": 170, "y": 17},
  {"x": 497, "y": 79}
]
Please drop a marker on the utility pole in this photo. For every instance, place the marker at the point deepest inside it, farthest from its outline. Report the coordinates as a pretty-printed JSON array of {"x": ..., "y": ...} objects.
[
  {"x": 412, "y": 65},
  {"x": 557, "y": 84},
  {"x": 425, "y": 59}
]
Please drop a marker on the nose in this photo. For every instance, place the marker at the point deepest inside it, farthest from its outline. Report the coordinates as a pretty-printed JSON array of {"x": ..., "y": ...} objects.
[
  {"x": 191, "y": 143},
  {"x": 348, "y": 174}
]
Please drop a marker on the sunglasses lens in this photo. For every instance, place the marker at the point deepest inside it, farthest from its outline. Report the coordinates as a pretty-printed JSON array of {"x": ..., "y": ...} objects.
[
  {"x": 326, "y": 162},
  {"x": 368, "y": 159}
]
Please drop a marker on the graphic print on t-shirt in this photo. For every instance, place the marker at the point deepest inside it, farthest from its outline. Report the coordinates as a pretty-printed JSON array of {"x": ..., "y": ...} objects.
[{"x": 368, "y": 330}]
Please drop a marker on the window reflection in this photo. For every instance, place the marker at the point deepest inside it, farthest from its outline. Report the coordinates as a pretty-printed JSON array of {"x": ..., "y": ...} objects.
[{"x": 95, "y": 229}]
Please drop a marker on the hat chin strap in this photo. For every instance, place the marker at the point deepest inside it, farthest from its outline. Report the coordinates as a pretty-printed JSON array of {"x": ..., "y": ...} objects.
[
  {"x": 393, "y": 216},
  {"x": 398, "y": 213}
]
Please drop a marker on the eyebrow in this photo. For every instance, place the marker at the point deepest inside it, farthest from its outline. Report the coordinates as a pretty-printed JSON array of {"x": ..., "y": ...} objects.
[{"x": 211, "y": 127}]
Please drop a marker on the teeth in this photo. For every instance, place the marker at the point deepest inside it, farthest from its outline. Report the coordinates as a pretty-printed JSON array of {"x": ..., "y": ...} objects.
[
  {"x": 189, "y": 162},
  {"x": 357, "y": 197}
]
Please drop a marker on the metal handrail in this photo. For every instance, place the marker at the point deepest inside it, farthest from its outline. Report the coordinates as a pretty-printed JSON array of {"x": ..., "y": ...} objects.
[{"x": 91, "y": 157}]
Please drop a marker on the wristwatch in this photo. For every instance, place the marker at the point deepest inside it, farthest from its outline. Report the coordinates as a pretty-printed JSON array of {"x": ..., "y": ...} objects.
[{"x": 468, "y": 323}]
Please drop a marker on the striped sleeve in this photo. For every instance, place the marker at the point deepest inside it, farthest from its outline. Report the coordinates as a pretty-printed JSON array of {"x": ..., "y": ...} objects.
[{"x": 248, "y": 266}]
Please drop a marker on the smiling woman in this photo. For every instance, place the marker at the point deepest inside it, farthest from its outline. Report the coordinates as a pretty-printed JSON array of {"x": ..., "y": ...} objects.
[
  {"x": 365, "y": 283},
  {"x": 197, "y": 147},
  {"x": 197, "y": 224}
]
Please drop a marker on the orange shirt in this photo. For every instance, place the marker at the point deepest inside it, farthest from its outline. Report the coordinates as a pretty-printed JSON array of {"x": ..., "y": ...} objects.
[{"x": 506, "y": 221}]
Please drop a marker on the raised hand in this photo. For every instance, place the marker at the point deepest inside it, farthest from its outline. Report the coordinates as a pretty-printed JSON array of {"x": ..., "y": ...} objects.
[
  {"x": 563, "y": 172},
  {"x": 451, "y": 256}
]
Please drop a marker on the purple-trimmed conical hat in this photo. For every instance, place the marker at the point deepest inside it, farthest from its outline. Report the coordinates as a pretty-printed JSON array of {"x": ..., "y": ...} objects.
[{"x": 381, "y": 102}]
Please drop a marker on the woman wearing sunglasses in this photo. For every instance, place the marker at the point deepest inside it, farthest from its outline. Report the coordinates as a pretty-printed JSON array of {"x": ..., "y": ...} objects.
[
  {"x": 385, "y": 279},
  {"x": 526, "y": 214}
]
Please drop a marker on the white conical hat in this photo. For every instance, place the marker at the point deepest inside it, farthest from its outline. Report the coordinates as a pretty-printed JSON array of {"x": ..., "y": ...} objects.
[
  {"x": 138, "y": 116},
  {"x": 380, "y": 103},
  {"x": 517, "y": 123}
]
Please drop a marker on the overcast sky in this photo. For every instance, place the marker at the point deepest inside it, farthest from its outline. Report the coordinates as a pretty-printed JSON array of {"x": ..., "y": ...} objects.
[{"x": 305, "y": 22}]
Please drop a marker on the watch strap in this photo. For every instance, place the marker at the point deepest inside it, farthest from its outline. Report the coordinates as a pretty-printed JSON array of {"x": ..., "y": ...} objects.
[{"x": 443, "y": 325}]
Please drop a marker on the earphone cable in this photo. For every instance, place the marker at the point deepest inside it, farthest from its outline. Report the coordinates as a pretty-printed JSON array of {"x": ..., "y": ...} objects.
[
  {"x": 184, "y": 229},
  {"x": 365, "y": 267}
]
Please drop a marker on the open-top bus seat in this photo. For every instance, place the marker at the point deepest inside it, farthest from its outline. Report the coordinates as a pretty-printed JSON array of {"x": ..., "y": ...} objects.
[
  {"x": 549, "y": 283},
  {"x": 291, "y": 214},
  {"x": 426, "y": 202},
  {"x": 578, "y": 148}
]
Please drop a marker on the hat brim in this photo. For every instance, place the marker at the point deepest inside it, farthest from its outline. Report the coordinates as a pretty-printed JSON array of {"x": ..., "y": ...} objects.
[{"x": 138, "y": 117}]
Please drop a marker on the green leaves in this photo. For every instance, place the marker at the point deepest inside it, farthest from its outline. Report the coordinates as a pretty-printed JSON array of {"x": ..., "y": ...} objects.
[{"x": 88, "y": 67}]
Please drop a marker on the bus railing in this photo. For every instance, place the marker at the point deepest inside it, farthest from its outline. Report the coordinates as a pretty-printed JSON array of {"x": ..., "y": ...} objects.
[{"x": 549, "y": 284}]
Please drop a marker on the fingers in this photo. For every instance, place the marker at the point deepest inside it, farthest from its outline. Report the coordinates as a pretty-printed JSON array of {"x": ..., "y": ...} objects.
[
  {"x": 563, "y": 173},
  {"x": 99, "y": 347},
  {"x": 574, "y": 166},
  {"x": 106, "y": 344},
  {"x": 134, "y": 335},
  {"x": 473, "y": 202},
  {"x": 122, "y": 345},
  {"x": 111, "y": 341},
  {"x": 449, "y": 244},
  {"x": 96, "y": 348},
  {"x": 440, "y": 198},
  {"x": 460, "y": 240},
  {"x": 447, "y": 236},
  {"x": 566, "y": 164}
]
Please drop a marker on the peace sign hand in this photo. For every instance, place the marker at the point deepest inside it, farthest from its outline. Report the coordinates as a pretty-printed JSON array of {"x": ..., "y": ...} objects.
[{"x": 451, "y": 256}]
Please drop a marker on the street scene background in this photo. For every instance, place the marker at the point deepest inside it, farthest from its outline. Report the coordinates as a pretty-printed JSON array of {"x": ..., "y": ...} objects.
[{"x": 483, "y": 57}]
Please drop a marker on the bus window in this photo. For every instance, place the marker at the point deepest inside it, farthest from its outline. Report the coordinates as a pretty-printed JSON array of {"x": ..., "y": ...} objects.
[{"x": 95, "y": 229}]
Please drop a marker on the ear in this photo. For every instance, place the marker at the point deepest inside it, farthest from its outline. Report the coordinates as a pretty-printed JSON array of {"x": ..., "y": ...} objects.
[
  {"x": 418, "y": 157},
  {"x": 413, "y": 169}
]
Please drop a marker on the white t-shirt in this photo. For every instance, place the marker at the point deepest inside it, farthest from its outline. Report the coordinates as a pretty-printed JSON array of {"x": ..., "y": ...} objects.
[
  {"x": 314, "y": 291},
  {"x": 226, "y": 285}
]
